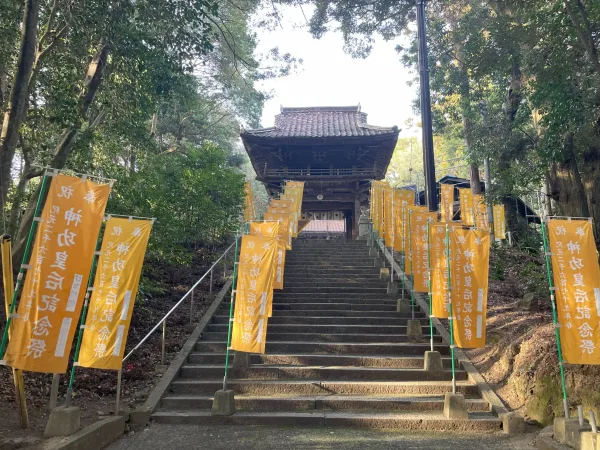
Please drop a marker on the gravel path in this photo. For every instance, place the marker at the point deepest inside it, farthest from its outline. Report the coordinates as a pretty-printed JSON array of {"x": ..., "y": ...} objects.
[{"x": 182, "y": 437}]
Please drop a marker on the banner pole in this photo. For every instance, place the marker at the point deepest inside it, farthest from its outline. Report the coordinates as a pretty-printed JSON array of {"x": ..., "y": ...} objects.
[
  {"x": 21, "y": 274},
  {"x": 429, "y": 284},
  {"x": 403, "y": 249},
  {"x": 555, "y": 319},
  {"x": 118, "y": 397},
  {"x": 412, "y": 291},
  {"x": 450, "y": 317},
  {"x": 86, "y": 302},
  {"x": 7, "y": 277},
  {"x": 233, "y": 293}
]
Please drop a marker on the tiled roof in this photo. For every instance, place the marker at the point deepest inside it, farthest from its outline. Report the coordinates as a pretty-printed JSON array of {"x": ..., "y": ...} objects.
[{"x": 321, "y": 121}]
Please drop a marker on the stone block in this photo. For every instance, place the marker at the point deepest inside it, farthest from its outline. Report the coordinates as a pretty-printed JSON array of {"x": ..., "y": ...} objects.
[
  {"x": 223, "y": 403},
  {"x": 433, "y": 362},
  {"x": 373, "y": 251},
  {"x": 568, "y": 431},
  {"x": 528, "y": 302},
  {"x": 378, "y": 261},
  {"x": 392, "y": 288},
  {"x": 413, "y": 328},
  {"x": 455, "y": 406},
  {"x": 590, "y": 440},
  {"x": 63, "y": 421},
  {"x": 139, "y": 417},
  {"x": 384, "y": 273},
  {"x": 512, "y": 423},
  {"x": 403, "y": 306},
  {"x": 241, "y": 363}
]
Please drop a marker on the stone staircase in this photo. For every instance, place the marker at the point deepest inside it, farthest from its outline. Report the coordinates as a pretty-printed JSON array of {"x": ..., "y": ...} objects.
[{"x": 337, "y": 355}]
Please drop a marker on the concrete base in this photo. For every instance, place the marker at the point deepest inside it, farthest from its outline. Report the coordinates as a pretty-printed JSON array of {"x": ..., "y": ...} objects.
[
  {"x": 378, "y": 261},
  {"x": 413, "y": 328},
  {"x": 568, "y": 431},
  {"x": 139, "y": 418},
  {"x": 370, "y": 242},
  {"x": 241, "y": 361},
  {"x": 403, "y": 306},
  {"x": 433, "y": 362},
  {"x": 455, "y": 406},
  {"x": 512, "y": 423},
  {"x": 223, "y": 403},
  {"x": 392, "y": 288},
  {"x": 373, "y": 251},
  {"x": 63, "y": 421},
  {"x": 384, "y": 273},
  {"x": 590, "y": 441}
]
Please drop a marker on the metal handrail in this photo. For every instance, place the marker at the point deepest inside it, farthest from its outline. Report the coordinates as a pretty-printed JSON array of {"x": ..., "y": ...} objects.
[{"x": 190, "y": 291}]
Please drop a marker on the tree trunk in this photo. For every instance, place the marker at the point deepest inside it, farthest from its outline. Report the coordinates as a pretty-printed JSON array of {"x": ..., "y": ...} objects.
[
  {"x": 66, "y": 142},
  {"x": 19, "y": 96},
  {"x": 566, "y": 187}
]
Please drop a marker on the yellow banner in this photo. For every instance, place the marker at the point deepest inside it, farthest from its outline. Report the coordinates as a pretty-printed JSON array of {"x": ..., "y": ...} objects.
[
  {"x": 254, "y": 284},
  {"x": 285, "y": 227},
  {"x": 481, "y": 215},
  {"x": 577, "y": 280},
  {"x": 467, "y": 213},
  {"x": 469, "y": 268},
  {"x": 56, "y": 284},
  {"x": 402, "y": 200},
  {"x": 406, "y": 236},
  {"x": 446, "y": 202},
  {"x": 388, "y": 218},
  {"x": 499, "y": 221},
  {"x": 115, "y": 289},
  {"x": 418, "y": 248},
  {"x": 249, "y": 211},
  {"x": 440, "y": 298},
  {"x": 269, "y": 230}
]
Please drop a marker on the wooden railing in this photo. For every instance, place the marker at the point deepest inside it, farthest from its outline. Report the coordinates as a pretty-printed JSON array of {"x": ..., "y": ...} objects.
[{"x": 341, "y": 171}]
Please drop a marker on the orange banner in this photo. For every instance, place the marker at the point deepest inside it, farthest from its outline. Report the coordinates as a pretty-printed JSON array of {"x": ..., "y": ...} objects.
[
  {"x": 440, "y": 298},
  {"x": 388, "y": 217},
  {"x": 577, "y": 280},
  {"x": 249, "y": 210},
  {"x": 467, "y": 213},
  {"x": 254, "y": 284},
  {"x": 446, "y": 202},
  {"x": 285, "y": 227},
  {"x": 469, "y": 268},
  {"x": 499, "y": 221},
  {"x": 269, "y": 230},
  {"x": 115, "y": 289},
  {"x": 56, "y": 283},
  {"x": 418, "y": 248},
  {"x": 481, "y": 215},
  {"x": 402, "y": 200},
  {"x": 407, "y": 236}
]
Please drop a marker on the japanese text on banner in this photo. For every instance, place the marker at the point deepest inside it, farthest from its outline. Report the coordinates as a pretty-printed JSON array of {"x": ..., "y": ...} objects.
[
  {"x": 285, "y": 227},
  {"x": 409, "y": 256},
  {"x": 254, "y": 284},
  {"x": 418, "y": 248},
  {"x": 499, "y": 221},
  {"x": 481, "y": 215},
  {"x": 467, "y": 214},
  {"x": 388, "y": 218},
  {"x": 55, "y": 286},
  {"x": 447, "y": 202},
  {"x": 577, "y": 281},
  {"x": 115, "y": 288},
  {"x": 469, "y": 254},
  {"x": 402, "y": 200},
  {"x": 439, "y": 276},
  {"x": 272, "y": 230}
]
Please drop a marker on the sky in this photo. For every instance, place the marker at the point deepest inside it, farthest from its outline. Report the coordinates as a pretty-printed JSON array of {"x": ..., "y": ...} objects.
[{"x": 330, "y": 77}]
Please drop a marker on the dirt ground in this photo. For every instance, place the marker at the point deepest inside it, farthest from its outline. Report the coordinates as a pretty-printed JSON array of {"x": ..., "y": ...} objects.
[{"x": 95, "y": 390}]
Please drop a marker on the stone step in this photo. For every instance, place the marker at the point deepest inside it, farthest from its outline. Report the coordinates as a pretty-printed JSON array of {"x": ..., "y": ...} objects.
[
  {"x": 384, "y": 320},
  {"x": 349, "y": 283},
  {"x": 357, "y": 267},
  {"x": 338, "y": 290},
  {"x": 322, "y": 337},
  {"x": 327, "y": 329},
  {"x": 325, "y": 402},
  {"x": 346, "y": 348},
  {"x": 321, "y": 295},
  {"x": 374, "y": 305},
  {"x": 318, "y": 278},
  {"x": 299, "y": 270},
  {"x": 365, "y": 301},
  {"x": 383, "y": 361},
  {"x": 319, "y": 387},
  {"x": 334, "y": 373}
]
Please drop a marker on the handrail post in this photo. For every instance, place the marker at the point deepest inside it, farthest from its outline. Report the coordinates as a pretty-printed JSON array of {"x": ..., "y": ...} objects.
[
  {"x": 192, "y": 307},
  {"x": 164, "y": 338},
  {"x": 210, "y": 288}
]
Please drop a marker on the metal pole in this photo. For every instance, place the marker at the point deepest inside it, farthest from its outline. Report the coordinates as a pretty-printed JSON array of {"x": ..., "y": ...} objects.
[
  {"x": 163, "y": 345},
  {"x": 210, "y": 289},
  {"x": 429, "y": 283},
  {"x": 428, "y": 155},
  {"x": 488, "y": 185},
  {"x": 233, "y": 293},
  {"x": 412, "y": 291},
  {"x": 450, "y": 318},
  {"x": 192, "y": 308},
  {"x": 118, "y": 399},
  {"x": 555, "y": 319}
]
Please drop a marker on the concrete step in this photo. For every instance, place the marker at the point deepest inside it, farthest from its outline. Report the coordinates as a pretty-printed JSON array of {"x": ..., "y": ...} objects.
[
  {"x": 320, "y": 295},
  {"x": 385, "y": 320},
  {"x": 346, "y": 348},
  {"x": 381, "y": 361},
  {"x": 314, "y": 265},
  {"x": 334, "y": 373},
  {"x": 348, "y": 283},
  {"x": 340, "y": 278},
  {"x": 309, "y": 269},
  {"x": 326, "y": 329},
  {"x": 322, "y": 337},
  {"x": 373, "y": 305},
  {"x": 321, "y": 387},
  {"x": 325, "y": 402},
  {"x": 398, "y": 420},
  {"x": 365, "y": 301},
  {"x": 338, "y": 290}
]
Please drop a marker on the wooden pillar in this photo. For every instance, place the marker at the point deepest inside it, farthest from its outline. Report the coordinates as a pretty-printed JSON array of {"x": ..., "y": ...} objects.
[
  {"x": 348, "y": 217},
  {"x": 355, "y": 229}
]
